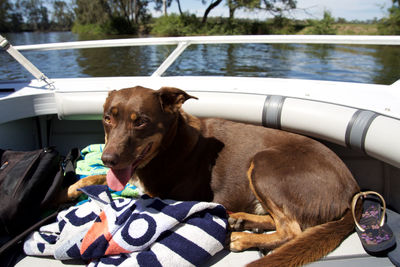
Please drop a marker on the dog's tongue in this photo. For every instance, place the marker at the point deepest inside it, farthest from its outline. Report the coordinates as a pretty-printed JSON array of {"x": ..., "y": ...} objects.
[{"x": 117, "y": 179}]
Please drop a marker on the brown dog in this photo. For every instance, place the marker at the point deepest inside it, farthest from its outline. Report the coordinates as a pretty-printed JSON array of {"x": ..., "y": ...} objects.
[{"x": 271, "y": 179}]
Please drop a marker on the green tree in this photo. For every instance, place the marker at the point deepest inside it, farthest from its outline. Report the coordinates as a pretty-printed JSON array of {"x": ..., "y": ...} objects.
[
  {"x": 165, "y": 4},
  {"x": 5, "y": 9},
  {"x": 213, "y": 4},
  {"x": 44, "y": 22},
  {"x": 391, "y": 25},
  {"x": 62, "y": 16},
  {"x": 133, "y": 11},
  {"x": 162, "y": 5},
  {"x": 176, "y": 25},
  {"x": 111, "y": 16},
  {"x": 324, "y": 26},
  {"x": 233, "y": 5},
  {"x": 92, "y": 12},
  {"x": 341, "y": 20},
  {"x": 276, "y": 7},
  {"x": 35, "y": 14},
  {"x": 14, "y": 17},
  {"x": 16, "y": 22},
  {"x": 141, "y": 14}
]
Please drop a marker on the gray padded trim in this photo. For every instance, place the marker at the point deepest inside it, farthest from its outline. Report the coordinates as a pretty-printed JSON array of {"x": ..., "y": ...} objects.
[
  {"x": 358, "y": 127},
  {"x": 271, "y": 116}
]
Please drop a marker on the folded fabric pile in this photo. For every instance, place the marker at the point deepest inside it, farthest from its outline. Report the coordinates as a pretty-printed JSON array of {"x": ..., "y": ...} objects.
[
  {"x": 133, "y": 232},
  {"x": 90, "y": 162}
]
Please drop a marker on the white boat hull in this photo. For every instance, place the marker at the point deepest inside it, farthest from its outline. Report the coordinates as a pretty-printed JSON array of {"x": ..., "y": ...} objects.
[{"x": 360, "y": 122}]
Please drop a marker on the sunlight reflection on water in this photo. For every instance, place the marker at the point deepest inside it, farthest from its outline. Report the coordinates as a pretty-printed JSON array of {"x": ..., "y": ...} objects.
[{"x": 365, "y": 64}]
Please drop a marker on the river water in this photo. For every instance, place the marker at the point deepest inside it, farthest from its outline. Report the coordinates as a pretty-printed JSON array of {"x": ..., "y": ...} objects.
[{"x": 350, "y": 63}]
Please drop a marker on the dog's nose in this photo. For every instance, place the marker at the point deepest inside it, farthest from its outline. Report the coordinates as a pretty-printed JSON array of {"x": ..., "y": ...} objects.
[{"x": 110, "y": 159}]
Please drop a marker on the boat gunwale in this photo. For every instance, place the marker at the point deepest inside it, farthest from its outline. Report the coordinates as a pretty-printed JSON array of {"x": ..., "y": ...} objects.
[{"x": 231, "y": 39}]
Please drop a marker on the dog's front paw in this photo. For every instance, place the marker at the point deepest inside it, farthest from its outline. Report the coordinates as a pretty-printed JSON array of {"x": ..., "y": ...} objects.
[
  {"x": 238, "y": 241},
  {"x": 235, "y": 224}
]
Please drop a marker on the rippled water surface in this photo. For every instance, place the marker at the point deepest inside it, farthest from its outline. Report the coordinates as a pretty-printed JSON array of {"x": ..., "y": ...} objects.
[{"x": 364, "y": 64}]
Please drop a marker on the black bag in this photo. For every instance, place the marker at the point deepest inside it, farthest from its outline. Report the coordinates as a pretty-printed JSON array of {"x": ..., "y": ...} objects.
[{"x": 29, "y": 183}]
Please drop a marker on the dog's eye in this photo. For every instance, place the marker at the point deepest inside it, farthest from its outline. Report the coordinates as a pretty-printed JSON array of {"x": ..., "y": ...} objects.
[
  {"x": 140, "y": 122},
  {"x": 107, "y": 119}
]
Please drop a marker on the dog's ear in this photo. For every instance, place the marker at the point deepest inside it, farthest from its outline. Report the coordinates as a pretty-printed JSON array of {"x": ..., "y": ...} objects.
[{"x": 172, "y": 98}]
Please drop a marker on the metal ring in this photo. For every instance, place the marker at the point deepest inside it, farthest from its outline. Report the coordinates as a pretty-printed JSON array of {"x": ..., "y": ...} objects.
[{"x": 364, "y": 194}]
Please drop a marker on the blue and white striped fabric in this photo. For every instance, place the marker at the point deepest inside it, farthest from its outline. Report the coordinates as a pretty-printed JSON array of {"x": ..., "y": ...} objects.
[{"x": 134, "y": 232}]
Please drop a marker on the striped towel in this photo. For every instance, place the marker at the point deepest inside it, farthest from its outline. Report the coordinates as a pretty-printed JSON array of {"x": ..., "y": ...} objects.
[{"x": 134, "y": 232}]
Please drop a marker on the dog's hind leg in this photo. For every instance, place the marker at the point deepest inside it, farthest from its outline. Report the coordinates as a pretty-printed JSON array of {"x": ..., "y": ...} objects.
[
  {"x": 286, "y": 228},
  {"x": 307, "y": 191},
  {"x": 241, "y": 221},
  {"x": 285, "y": 231}
]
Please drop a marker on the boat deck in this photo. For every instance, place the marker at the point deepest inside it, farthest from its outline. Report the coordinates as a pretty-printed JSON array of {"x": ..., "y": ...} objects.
[{"x": 349, "y": 253}]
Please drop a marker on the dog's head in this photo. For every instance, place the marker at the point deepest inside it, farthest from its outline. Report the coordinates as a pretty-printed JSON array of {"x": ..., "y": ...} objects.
[{"x": 137, "y": 122}]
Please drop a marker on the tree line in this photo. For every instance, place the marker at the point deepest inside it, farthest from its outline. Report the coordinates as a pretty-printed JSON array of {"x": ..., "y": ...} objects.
[
  {"x": 35, "y": 15},
  {"x": 134, "y": 16},
  {"x": 122, "y": 16}
]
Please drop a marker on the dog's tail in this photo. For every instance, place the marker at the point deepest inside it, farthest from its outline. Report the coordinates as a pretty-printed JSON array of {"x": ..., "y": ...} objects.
[{"x": 314, "y": 243}]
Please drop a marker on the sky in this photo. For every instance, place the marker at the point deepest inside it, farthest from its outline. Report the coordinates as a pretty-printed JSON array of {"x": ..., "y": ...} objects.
[{"x": 347, "y": 9}]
